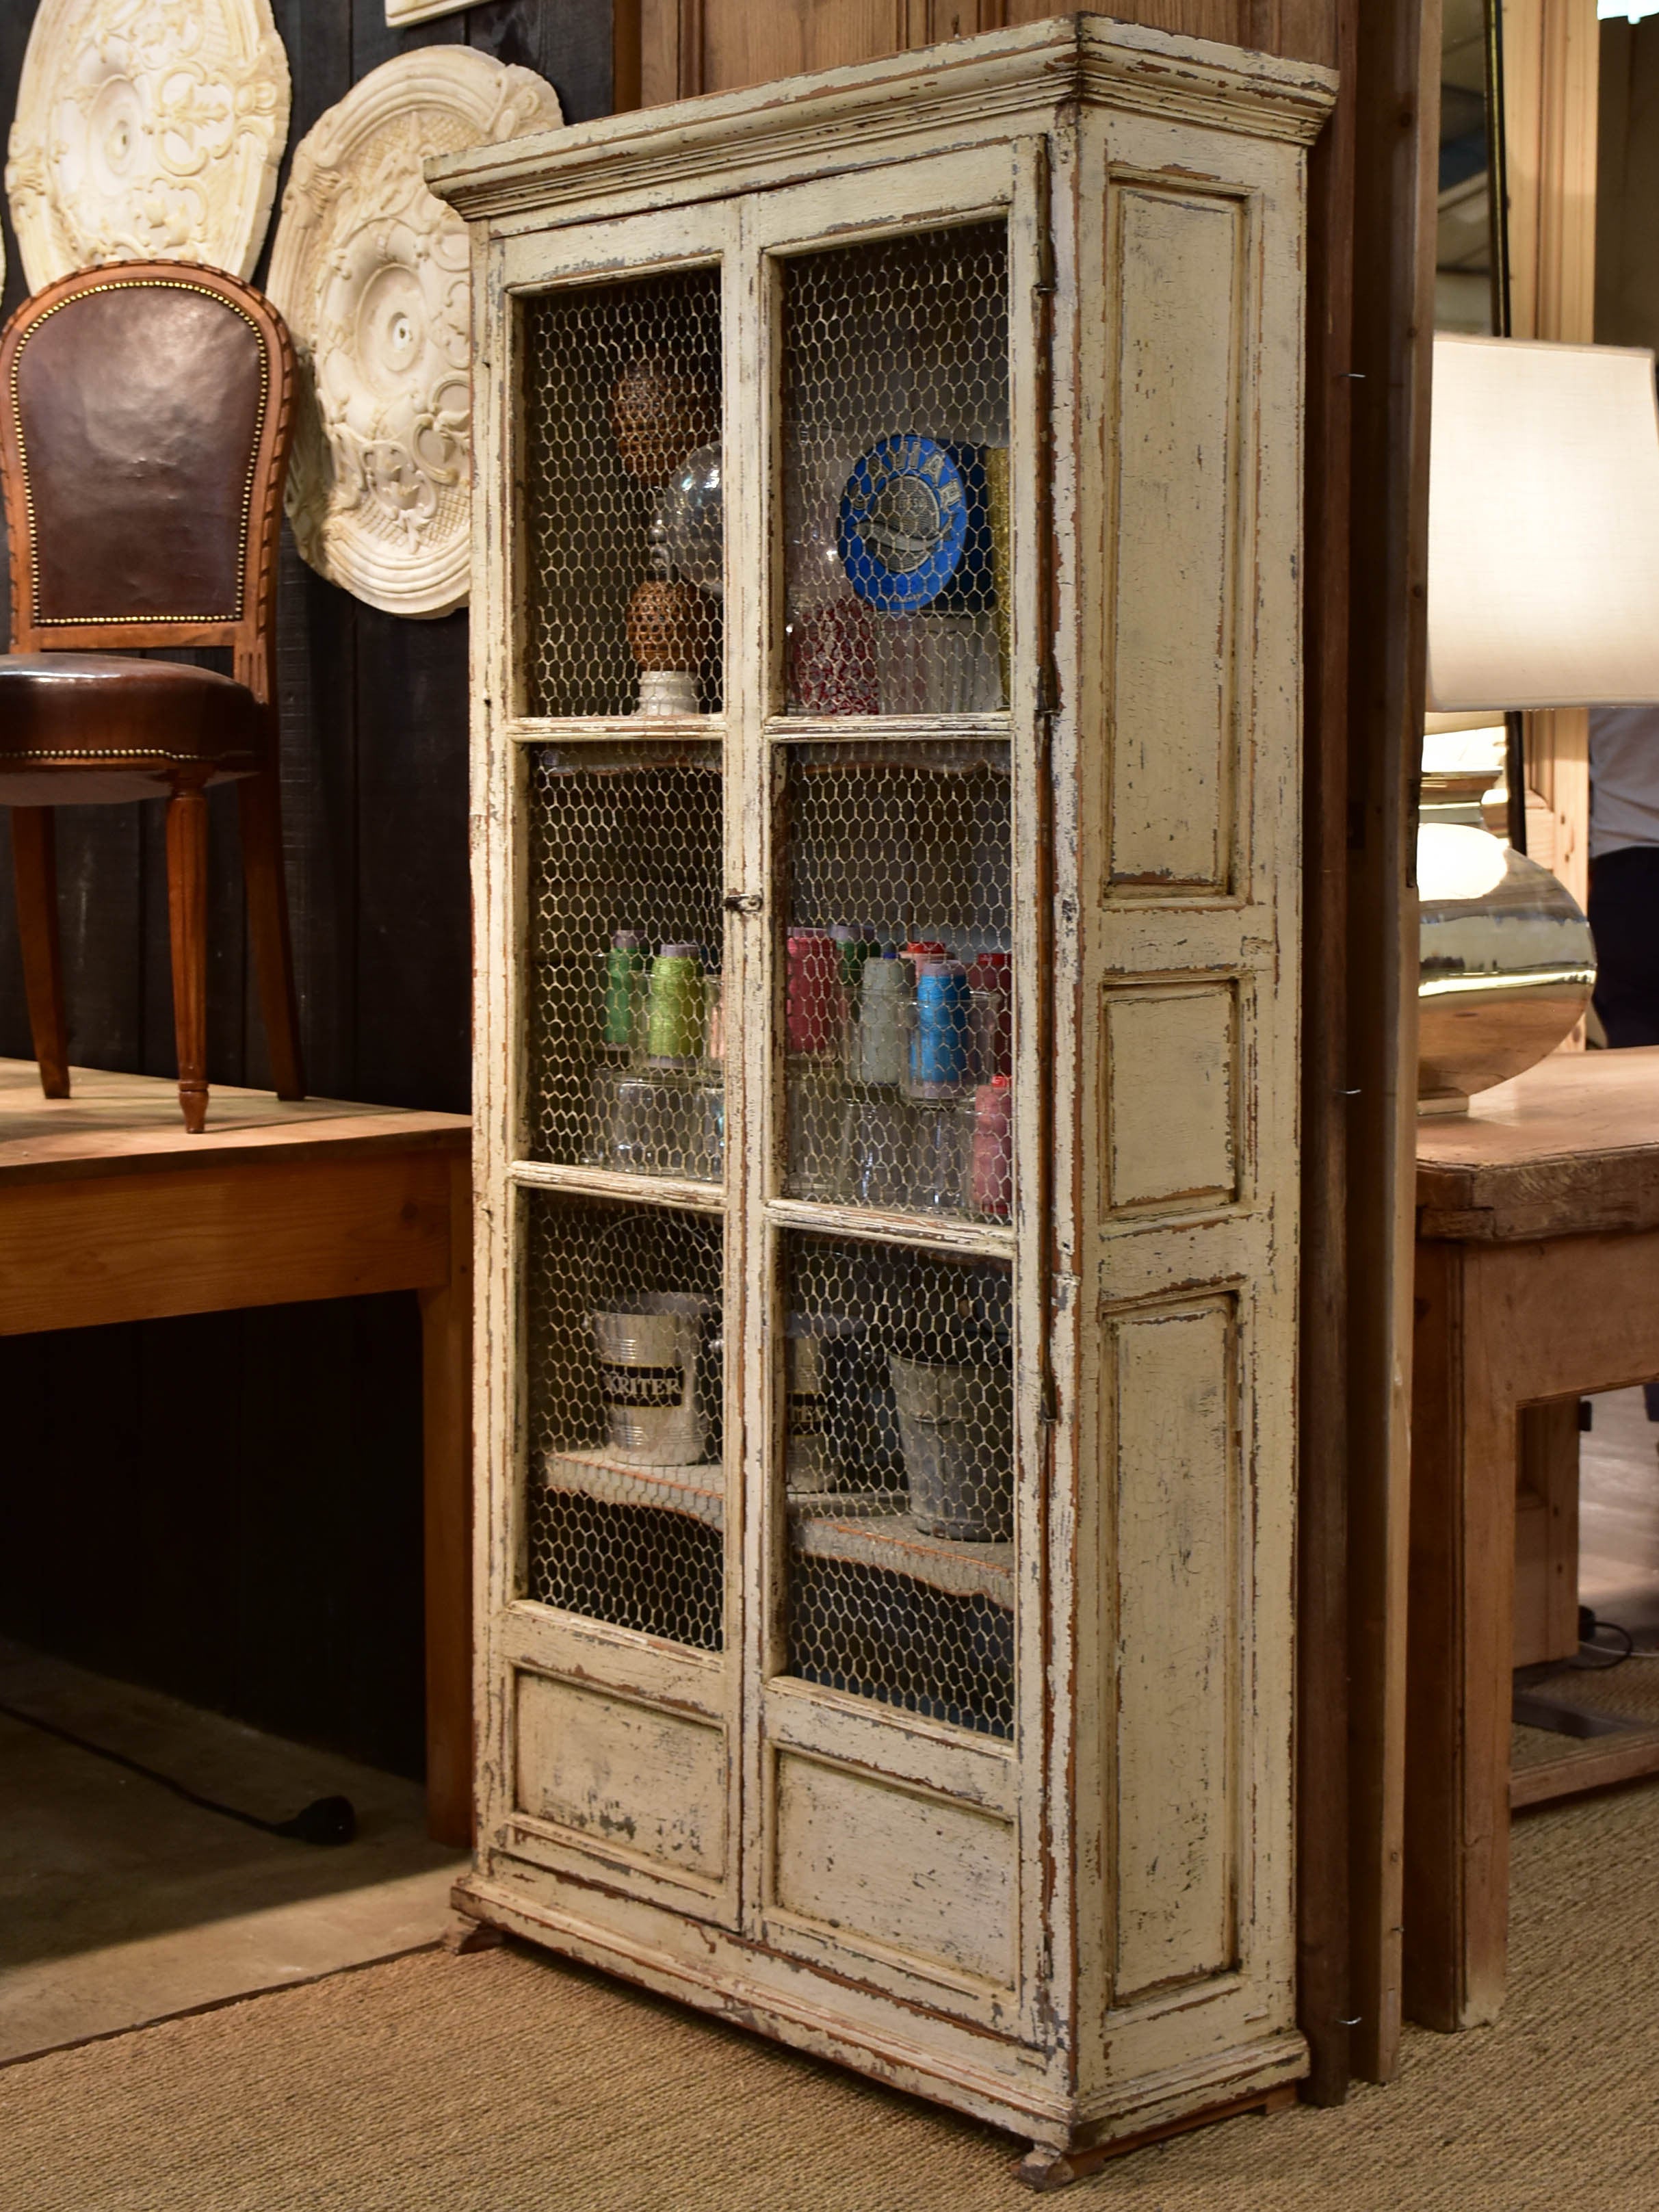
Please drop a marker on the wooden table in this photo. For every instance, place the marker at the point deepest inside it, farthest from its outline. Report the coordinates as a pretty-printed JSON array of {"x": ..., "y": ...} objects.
[
  {"x": 110, "y": 1213},
  {"x": 1537, "y": 1279}
]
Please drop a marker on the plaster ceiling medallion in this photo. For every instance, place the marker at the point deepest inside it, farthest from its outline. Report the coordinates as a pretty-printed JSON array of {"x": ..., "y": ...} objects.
[
  {"x": 370, "y": 272},
  {"x": 147, "y": 129}
]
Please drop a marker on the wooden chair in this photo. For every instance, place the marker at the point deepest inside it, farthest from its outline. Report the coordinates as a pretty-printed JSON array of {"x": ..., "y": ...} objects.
[{"x": 143, "y": 438}]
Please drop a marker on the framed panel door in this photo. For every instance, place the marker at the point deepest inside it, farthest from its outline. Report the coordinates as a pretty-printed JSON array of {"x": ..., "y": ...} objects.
[
  {"x": 613, "y": 1109},
  {"x": 893, "y": 1410}
]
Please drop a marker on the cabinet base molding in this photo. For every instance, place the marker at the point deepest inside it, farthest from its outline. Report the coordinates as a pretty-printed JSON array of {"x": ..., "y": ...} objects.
[
  {"x": 760, "y": 1989},
  {"x": 1042, "y": 2168}
]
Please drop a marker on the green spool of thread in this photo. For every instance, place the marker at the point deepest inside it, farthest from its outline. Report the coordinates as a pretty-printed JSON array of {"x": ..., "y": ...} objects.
[
  {"x": 673, "y": 1021},
  {"x": 625, "y": 966},
  {"x": 855, "y": 951}
]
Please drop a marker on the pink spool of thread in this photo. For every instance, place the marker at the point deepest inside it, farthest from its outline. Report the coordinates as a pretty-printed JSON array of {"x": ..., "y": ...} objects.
[
  {"x": 994, "y": 1148},
  {"x": 812, "y": 1013}
]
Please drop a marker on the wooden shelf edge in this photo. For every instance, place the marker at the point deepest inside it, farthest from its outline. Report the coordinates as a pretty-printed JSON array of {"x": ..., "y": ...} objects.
[{"x": 1615, "y": 1758}]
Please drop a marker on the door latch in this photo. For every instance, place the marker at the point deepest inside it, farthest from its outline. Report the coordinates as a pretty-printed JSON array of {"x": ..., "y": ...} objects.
[{"x": 743, "y": 902}]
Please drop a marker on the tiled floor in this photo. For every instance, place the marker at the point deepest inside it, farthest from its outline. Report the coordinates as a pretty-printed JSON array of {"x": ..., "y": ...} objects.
[{"x": 120, "y": 1903}]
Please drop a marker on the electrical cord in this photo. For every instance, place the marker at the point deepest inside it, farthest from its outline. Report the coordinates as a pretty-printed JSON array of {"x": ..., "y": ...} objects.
[
  {"x": 1604, "y": 1660},
  {"x": 325, "y": 1820}
]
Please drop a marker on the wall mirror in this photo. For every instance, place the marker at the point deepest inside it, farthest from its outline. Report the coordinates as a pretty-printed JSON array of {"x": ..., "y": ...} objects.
[
  {"x": 1471, "y": 282},
  {"x": 1472, "y": 294}
]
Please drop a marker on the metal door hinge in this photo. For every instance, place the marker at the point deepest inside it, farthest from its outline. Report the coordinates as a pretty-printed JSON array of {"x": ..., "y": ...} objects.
[
  {"x": 1048, "y": 1410},
  {"x": 743, "y": 902}
]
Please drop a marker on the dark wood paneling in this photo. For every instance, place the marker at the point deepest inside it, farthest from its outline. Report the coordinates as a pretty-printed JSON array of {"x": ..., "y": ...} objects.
[{"x": 235, "y": 1507}]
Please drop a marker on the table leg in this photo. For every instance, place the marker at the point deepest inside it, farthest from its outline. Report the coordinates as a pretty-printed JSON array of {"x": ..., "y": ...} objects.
[
  {"x": 1546, "y": 1534},
  {"x": 447, "y": 1390},
  {"x": 1461, "y": 1633}
]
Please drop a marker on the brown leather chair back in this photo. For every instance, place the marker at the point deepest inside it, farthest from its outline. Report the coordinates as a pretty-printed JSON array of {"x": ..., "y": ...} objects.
[{"x": 143, "y": 437}]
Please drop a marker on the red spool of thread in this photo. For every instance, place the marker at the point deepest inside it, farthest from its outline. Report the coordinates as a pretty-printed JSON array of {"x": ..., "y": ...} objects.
[
  {"x": 832, "y": 660},
  {"x": 814, "y": 1007}
]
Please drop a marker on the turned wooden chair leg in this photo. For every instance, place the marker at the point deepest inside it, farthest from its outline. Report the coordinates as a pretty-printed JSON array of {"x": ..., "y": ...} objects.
[
  {"x": 35, "y": 875},
  {"x": 259, "y": 802},
  {"x": 187, "y": 891}
]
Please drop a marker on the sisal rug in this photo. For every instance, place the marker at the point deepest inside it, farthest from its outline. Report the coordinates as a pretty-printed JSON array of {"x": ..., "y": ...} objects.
[{"x": 507, "y": 2083}]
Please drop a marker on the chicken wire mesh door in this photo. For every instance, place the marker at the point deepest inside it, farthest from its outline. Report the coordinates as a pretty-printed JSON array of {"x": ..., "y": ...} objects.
[
  {"x": 623, "y": 541},
  {"x": 898, "y": 977},
  {"x": 893, "y": 961},
  {"x": 896, "y": 475},
  {"x": 626, "y": 1506},
  {"x": 626, "y": 996},
  {"x": 899, "y": 1476}
]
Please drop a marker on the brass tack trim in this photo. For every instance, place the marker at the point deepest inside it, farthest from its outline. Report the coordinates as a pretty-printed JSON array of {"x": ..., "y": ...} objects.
[
  {"x": 121, "y": 622},
  {"x": 101, "y": 753}
]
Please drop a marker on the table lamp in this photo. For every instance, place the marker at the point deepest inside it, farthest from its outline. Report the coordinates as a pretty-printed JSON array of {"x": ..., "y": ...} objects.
[{"x": 1543, "y": 593}]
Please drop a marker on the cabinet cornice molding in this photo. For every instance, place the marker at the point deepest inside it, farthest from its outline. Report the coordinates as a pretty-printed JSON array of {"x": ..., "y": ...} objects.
[{"x": 872, "y": 112}]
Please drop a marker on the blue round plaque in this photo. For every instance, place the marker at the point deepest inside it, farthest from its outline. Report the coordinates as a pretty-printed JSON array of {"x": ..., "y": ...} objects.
[{"x": 913, "y": 530}]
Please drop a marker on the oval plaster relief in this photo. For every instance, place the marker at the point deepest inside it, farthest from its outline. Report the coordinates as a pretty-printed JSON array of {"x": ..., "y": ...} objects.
[
  {"x": 370, "y": 273},
  {"x": 147, "y": 130}
]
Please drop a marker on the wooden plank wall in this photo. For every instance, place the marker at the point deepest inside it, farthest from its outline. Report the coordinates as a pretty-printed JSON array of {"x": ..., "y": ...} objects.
[
  {"x": 204, "y": 1504},
  {"x": 688, "y": 46}
]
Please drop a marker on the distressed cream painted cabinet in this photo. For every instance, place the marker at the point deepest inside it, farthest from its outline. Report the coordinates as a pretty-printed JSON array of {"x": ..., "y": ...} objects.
[{"x": 885, "y": 818}]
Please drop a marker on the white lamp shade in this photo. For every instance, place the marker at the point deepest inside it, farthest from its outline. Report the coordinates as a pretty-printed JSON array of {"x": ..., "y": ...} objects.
[{"x": 1543, "y": 525}]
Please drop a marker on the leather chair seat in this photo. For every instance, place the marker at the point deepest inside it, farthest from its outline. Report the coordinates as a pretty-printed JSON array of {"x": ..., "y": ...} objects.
[{"x": 94, "y": 729}]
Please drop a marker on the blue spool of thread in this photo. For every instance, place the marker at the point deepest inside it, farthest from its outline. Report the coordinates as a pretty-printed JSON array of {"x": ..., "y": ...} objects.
[{"x": 944, "y": 1013}]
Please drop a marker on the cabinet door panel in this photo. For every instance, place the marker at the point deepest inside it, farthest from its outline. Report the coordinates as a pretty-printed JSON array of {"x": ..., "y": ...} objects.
[
  {"x": 902, "y": 1869},
  {"x": 619, "y": 1774}
]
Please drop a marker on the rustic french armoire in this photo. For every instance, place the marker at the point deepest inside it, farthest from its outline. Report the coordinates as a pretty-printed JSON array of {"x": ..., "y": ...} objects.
[{"x": 885, "y": 794}]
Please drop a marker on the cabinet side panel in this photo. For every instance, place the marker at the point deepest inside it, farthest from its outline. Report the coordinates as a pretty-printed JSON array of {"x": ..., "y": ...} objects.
[
  {"x": 1175, "y": 513},
  {"x": 1169, "y": 1090},
  {"x": 1177, "y": 1536},
  {"x": 1188, "y": 962}
]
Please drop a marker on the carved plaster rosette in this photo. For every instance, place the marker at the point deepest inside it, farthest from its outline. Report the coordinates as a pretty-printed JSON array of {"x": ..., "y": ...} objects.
[
  {"x": 147, "y": 130},
  {"x": 370, "y": 272}
]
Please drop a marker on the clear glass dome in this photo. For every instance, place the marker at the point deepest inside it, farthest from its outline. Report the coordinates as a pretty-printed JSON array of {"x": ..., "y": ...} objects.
[{"x": 690, "y": 523}]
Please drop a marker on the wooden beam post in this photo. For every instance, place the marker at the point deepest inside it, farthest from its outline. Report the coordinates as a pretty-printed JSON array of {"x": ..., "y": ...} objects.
[
  {"x": 1324, "y": 2005},
  {"x": 1396, "y": 146}
]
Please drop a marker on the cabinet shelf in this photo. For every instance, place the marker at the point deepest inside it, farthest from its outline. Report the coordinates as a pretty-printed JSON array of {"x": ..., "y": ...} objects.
[
  {"x": 610, "y": 1182},
  {"x": 896, "y": 1543},
  {"x": 864, "y": 1528},
  {"x": 925, "y": 1232},
  {"x": 887, "y": 729},
  {"x": 697, "y": 1491}
]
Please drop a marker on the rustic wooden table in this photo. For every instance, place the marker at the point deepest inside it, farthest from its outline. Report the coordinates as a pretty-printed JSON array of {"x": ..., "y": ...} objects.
[
  {"x": 1537, "y": 1280},
  {"x": 110, "y": 1213}
]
